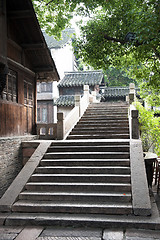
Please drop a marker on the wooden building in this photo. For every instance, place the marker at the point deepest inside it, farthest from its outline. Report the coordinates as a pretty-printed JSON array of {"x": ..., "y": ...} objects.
[{"x": 24, "y": 60}]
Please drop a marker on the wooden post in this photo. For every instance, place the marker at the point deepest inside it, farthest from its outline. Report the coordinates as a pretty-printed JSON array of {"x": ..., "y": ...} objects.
[
  {"x": 3, "y": 35},
  {"x": 60, "y": 126}
]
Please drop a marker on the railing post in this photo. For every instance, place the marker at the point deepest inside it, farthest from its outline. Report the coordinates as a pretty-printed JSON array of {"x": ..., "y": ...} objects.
[
  {"x": 134, "y": 124},
  {"x": 94, "y": 96},
  {"x": 60, "y": 126},
  {"x": 86, "y": 92},
  {"x": 131, "y": 93},
  {"x": 77, "y": 100}
]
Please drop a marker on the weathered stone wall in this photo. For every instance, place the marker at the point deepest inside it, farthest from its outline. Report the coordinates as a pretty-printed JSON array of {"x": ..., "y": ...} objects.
[{"x": 11, "y": 159}]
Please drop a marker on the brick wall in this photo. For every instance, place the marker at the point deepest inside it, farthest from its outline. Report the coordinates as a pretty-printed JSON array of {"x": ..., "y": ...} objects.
[{"x": 11, "y": 159}]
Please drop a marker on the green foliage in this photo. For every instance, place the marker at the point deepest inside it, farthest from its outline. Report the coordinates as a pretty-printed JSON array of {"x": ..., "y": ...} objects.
[
  {"x": 117, "y": 77},
  {"x": 123, "y": 34},
  {"x": 149, "y": 128},
  {"x": 55, "y": 15}
]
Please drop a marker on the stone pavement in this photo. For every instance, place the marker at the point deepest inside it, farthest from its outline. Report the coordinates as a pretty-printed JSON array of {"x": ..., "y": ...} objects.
[{"x": 55, "y": 233}]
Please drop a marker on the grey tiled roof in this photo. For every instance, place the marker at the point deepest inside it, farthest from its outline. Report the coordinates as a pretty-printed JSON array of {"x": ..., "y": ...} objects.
[
  {"x": 75, "y": 79},
  {"x": 117, "y": 91},
  {"x": 67, "y": 34},
  {"x": 65, "y": 100}
]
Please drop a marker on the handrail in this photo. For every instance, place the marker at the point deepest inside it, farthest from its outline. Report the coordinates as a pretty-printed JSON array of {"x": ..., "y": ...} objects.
[
  {"x": 47, "y": 130},
  {"x": 65, "y": 125}
]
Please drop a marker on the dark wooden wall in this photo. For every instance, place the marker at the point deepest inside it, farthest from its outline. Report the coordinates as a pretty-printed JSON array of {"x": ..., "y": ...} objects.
[{"x": 18, "y": 118}]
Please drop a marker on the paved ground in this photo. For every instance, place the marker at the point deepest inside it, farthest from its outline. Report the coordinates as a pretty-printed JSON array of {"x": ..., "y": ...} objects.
[
  {"x": 51, "y": 233},
  {"x": 61, "y": 233}
]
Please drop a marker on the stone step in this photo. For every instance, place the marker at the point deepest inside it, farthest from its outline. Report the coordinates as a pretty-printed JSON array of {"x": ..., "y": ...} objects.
[
  {"x": 101, "y": 128},
  {"x": 87, "y": 155},
  {"x": 99, "y": 136},
  {"x": 104, "y": 125},
  {"x": 107, "y": 117},
  {"x": 94, "y": 142},
  {"x": 84, "y": 169},
  {"x": 101, "y": 221},
  {"x": 103, "y": 122},
  {"x": 115, "y": 148},
  {"x": 78, "y": 187},
  {"x": 76, "y": 197},
  {"x": 96, "y": 130},
  {"x": 115, "y": 108},
  {"x": 106, "y": 113},
  {"x": 69, "y": 207},
  {"x": 98, "y": 178},
  {"x": 85, "y": 162}
]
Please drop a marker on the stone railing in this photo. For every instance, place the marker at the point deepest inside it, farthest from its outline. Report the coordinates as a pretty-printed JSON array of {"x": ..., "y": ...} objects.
[
  {"x": 47, "y": 130},
  {"x": 140, "y": 194},
  {"x": 64, "y": 125},
  {"x": 133, "y": 113}
]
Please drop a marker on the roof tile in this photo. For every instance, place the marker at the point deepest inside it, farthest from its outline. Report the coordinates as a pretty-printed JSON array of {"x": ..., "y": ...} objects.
[{"x": 72, "y": 79}]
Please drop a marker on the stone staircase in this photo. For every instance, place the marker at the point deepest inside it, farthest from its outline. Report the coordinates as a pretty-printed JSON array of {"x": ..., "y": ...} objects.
[
  {"x": 75, "y": 177},
  {"x": 84, "y": 176},
  {"x": 84, "y": 180},
  {"x": 103, "y": 121}
]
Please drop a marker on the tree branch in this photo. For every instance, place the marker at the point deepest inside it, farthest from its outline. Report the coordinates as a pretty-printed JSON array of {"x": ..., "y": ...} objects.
[
  {"x": 114, "y": 39},
  {"x": 49, "y": 2}
]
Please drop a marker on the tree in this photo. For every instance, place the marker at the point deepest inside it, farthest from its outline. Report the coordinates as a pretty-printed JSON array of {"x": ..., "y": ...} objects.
[
  {"x": 55, "y": 15},
  {"x": 124, "y": 34},
  {"x": 117, "y": 77}
]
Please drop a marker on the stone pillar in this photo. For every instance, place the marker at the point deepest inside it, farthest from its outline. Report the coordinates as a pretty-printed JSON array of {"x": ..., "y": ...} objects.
[
  {"x": 94, "y": 96},
  {"x": 131, "y": 93},
  {"x": 77, "y": 100},
  {"x": 60, "y": 126},
  {"x": 86, "y": 91},
  {"x": 135, "y": 124}
]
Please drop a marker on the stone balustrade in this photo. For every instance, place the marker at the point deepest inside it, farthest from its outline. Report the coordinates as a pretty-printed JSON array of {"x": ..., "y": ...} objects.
[
  {"x": 47, "y": 130},
  {"x": 133, "y": 113},
  {"x": 64, "y": 126}
]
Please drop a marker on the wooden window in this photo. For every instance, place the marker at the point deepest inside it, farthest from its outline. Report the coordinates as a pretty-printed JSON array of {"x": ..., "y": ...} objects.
[
  {"x": 46, "y": 87},
  {"x": 10, "y": 91},
  {"x": 38, "y": 115},
  {"x": 38, "y": 87},
  {"x": 28, "y": 93},
  {"x": 44, "y": 115}
]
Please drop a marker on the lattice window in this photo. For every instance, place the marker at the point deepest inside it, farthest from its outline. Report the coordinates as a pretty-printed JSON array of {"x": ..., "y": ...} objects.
[
  {"x": 10, "y": 91},
  {"x": 46, "y": 87},
  {"x": 44, "y": 115},
  {"x": 28, "y": 93}
]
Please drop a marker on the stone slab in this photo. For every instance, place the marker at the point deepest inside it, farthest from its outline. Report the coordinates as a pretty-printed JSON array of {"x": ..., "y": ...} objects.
[
  {"x": 29, "y": 233},
  {"x": 8, "y": 236},
  {"x": 3, "y": 217},
  {"x": 137, "y": 234},
  {"x": 141, "y": 199},
  {"x": 9, "y": 233},
  {"x": 68, "y": 238},
  {"x": 83, "y": 220},
  {"x": 109, "y": 234},
  {"x": 72, "y": 232}
]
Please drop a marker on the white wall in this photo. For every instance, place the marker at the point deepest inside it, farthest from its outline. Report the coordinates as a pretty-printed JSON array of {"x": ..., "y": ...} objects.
[{"x": 64, "y": 59}]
